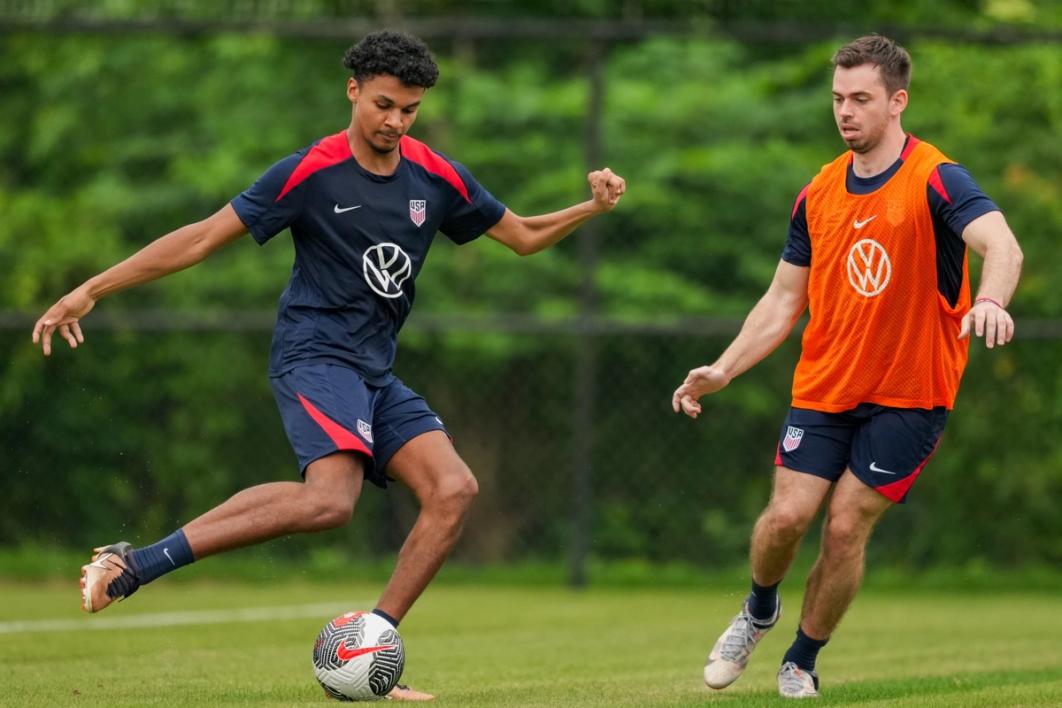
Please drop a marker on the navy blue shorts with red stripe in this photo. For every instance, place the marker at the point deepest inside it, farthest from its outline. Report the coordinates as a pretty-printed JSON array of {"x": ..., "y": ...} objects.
[
  {"x": 886, "y": 448},
  {"x": 327, "y": 408}
]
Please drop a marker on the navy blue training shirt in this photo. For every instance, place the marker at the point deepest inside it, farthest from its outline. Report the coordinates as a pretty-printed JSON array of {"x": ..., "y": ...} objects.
[
  {"x": 360, "y": 241},
  {"x": 955, "y": 200}
]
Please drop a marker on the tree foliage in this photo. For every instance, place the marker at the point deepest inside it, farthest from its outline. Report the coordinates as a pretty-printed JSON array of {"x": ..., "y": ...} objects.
[{"x": 107, "y": 142}]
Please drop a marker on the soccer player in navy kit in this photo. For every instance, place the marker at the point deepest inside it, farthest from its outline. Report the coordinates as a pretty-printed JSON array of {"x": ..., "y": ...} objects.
[{"x": 363, "y": 206}]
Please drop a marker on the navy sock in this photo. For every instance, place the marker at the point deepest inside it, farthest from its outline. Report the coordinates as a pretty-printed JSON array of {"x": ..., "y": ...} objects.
[
  {"x": 160, "y": 558},
  {"x": 380, "y": 613},
  {"x": 763, "y": 602},
  {"x": 804, "y": 650}
]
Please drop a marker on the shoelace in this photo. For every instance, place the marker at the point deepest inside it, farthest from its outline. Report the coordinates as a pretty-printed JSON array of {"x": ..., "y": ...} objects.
[
  {"x": 736, "y": 646},
  {"x": 126, "y": 583},
  {"x": 796, "y": 680}
]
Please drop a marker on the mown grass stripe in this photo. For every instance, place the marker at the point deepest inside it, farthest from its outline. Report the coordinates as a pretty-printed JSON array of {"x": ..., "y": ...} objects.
[{"x": 176, "y": 619}]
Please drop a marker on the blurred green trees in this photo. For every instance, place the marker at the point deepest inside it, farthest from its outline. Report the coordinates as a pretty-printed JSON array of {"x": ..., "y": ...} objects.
[{"x": 108, "y": 141}]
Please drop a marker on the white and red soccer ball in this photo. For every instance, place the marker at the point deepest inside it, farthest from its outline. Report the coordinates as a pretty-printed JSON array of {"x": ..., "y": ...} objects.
[{"x": 358, "y": 656}]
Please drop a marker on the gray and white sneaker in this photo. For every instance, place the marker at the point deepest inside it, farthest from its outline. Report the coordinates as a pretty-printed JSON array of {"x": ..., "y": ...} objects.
[
  {"x": 794, "y": 682},
  {"x": 730, "y": 655}
]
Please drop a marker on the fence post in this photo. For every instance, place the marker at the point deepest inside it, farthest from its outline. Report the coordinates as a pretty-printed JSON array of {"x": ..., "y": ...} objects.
[{"x": 585, "y": 383}]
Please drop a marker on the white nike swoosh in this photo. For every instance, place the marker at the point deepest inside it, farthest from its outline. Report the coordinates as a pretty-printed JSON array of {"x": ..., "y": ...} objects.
[
  {"x": 875, "y": 468},
  {"x": 860, "y": 224},
  {"x": 337, "y": 210},
  {"x": 166, "y": 551}
]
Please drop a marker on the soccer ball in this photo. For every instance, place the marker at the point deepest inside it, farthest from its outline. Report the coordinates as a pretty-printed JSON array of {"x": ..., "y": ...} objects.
[{"x": 358, "y": 656}]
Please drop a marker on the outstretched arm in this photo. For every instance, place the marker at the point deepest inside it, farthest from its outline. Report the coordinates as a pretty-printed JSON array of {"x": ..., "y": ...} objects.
[
  {"x": 991, "y": 237},
  {"x": 766, "y": 326},
  {"x": 530, "y": 234},
  {"x": 175, "y": 251}
]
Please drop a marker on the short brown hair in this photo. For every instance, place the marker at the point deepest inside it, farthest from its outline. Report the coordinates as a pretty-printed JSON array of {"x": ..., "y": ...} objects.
[{"x": 892, "y": 59}]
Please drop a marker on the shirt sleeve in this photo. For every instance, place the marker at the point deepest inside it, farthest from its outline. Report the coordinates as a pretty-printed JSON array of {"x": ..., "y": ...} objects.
[
  {"x": 470, "y": 218},
  {"x": 797, "y": 249},
  {"x": 268, "y": 206},
  {"x": 956, "y": 199}
]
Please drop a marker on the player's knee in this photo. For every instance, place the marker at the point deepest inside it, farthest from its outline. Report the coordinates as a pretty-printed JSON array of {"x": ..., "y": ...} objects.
[
  {"x": 455, "y": 492},
  {"x": 787, "y": 522},
  {"x": 330, "y": 511},
  {"x": 844, "y": 535}
]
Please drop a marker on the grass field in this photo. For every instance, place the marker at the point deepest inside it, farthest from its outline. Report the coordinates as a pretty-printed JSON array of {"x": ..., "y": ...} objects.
[{"x": 214, "y": 644}]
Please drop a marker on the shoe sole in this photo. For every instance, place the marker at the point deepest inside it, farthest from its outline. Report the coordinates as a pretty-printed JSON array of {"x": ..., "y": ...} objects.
[
  {"x": 717, "y": 684},
  {"x": 408, "y": 695},
  {"x": 89, "y": 578}
]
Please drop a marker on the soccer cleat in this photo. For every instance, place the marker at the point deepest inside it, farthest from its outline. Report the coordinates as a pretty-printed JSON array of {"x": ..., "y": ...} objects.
[
  {"x": 402, "y": 692},
  {"x": 795, "y": 682},
  {"x": 108, "y": 577},
  {"x": 730, "y": 655}
]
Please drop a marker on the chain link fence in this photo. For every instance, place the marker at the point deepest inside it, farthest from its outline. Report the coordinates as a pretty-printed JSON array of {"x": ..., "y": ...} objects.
[{"x": 142, "y": 430}]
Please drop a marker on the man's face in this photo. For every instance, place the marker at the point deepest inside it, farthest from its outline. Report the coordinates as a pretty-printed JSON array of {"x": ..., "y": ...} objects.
[
  {"x": 862, "y": 107},
  {"x": 384, "y": 109}
]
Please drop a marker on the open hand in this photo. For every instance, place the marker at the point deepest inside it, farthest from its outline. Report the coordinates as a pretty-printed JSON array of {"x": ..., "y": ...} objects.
[
  {"x": 699, "y": 382},
  {"x": 63, "y": 316},
  {"x": 988, "y": 320}
]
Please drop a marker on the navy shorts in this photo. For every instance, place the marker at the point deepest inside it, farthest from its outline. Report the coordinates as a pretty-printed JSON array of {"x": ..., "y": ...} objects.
[
  {"x": 886, "y": 448},
  {"x": 327, "y": 408}
]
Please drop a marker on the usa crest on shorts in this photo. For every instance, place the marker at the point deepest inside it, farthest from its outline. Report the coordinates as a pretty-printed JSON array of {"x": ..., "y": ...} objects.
[
  {"x": 365, "y": 429},
  {"x": 418, "y": 211},
  {"x": 793, "y": 436}
]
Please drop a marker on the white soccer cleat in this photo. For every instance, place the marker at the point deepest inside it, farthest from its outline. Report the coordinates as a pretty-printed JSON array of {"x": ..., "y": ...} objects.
[
  {"x": 730, "y": 655},
  {"x": 794, "y": 682},
  {"x": 108, "y": 577}
]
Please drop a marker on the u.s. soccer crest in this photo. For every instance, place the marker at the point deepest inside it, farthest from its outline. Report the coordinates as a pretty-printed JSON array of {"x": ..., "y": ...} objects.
[
  {"x": 793, "y": 436},
  {"x": 418, "y": 211},
  {"x": 365, "y": 429}
]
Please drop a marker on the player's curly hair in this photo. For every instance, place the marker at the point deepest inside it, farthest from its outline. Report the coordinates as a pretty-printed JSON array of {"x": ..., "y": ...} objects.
[
  {"x": 891, "y": 59},
  {"x": 393, "y": 53}
]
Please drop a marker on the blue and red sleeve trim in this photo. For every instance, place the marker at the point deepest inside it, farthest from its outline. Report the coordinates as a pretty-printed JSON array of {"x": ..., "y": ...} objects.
[
  {"x": 419, "y": 153},
  {"x": 329, "y": 151}
]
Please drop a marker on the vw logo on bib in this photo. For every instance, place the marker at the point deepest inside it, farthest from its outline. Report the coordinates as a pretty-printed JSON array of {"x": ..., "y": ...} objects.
[
  {"x": 869, "y": 267},
  {"x": 386, "y": 267}
]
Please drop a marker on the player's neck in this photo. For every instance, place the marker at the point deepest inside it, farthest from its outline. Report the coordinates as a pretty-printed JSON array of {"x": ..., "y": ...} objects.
[
  {"x": 380, "y": 163},
  {"x": 881, "y": 156}
]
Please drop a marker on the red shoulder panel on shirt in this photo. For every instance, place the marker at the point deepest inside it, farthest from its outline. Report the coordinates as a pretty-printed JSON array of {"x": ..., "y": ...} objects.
[
  {"x": 800, "y": 198},
  {"x": 912, "y": 141},
  {"x": 329, "y": 151},
  {"x": 418, "y": 152},
  {"x": 937, "y": 184}
]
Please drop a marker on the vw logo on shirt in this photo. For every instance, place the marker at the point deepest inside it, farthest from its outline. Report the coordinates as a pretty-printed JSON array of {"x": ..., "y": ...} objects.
[{"x": 386, "y": 267}]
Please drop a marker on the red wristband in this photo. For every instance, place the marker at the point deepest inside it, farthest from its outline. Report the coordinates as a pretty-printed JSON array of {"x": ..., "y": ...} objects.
[{"x": 988, "y": 299}]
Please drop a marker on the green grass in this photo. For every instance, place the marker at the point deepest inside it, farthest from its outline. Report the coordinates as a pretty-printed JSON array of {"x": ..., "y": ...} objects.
[{"x": 523, "y": 646}]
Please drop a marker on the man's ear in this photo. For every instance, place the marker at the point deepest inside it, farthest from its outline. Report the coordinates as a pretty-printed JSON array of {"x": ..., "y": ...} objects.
[{"x": 898, "y": 102}]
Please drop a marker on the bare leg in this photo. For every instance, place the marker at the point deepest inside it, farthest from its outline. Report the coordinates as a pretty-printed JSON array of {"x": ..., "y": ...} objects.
[
  {"x": 324, "y": 501},
  {"x": 794, "y": 502},
  {"x": 838, "y": 572},
  {"x": 445, "y": 488}
]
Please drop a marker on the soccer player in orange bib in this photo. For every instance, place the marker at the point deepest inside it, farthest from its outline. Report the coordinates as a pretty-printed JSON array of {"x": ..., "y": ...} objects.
[{"x": 877, "y": 252}]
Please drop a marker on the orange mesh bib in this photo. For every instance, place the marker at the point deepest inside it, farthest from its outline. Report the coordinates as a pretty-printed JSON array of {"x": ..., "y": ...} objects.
[{"x": 880, "y": 331}]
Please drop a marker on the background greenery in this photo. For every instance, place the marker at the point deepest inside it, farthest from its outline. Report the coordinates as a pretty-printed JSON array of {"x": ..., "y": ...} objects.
[{"x": 109, "y": 139}]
